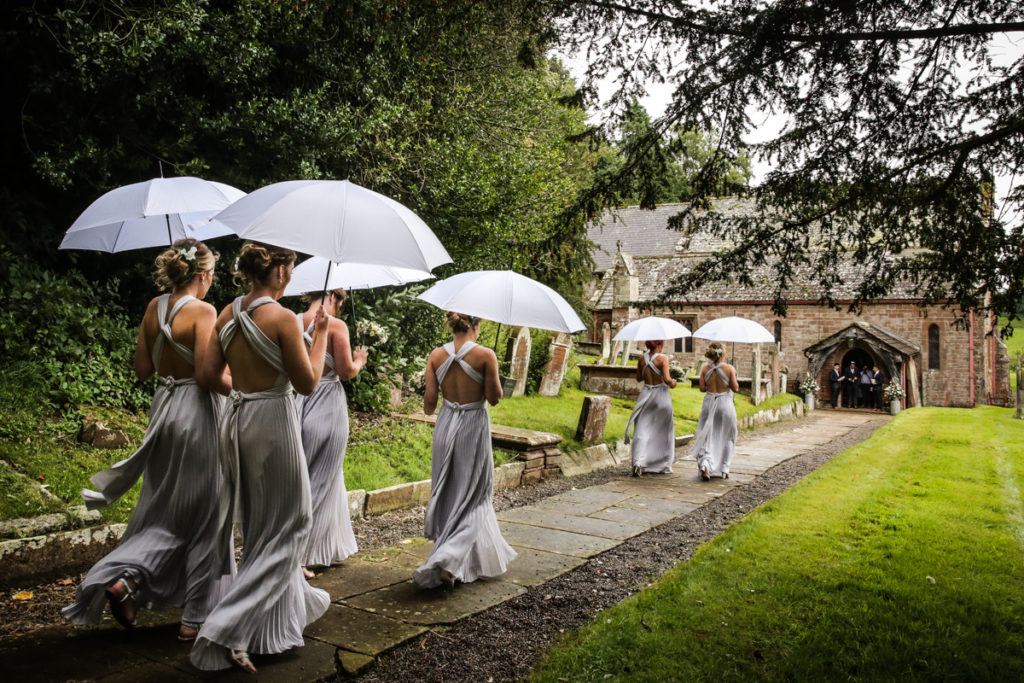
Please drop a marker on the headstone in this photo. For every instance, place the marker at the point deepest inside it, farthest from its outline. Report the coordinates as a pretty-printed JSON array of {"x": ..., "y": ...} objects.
[
  {"x": 606, "y": 342},
  {"x": 593, "y": 419},
  {"x": 755, "y": 376},
  {"x": 554, "y": 373},
  {"x": 627, "y": 351},
  {"x": 914, "y": 395},
  {"x": 518, "y": 356},
  {"x": 616, "y": 350}
]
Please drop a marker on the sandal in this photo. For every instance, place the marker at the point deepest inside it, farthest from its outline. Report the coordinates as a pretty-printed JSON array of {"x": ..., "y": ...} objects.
[
  {"x": 121, "y": 601},
  {"x": 638, "y": 471},
  {"x": 188, "y": 631},
  {"x": 240, "y": 660},
  {"x": 704, "y": 474},
  {"x": 306, "y": 574}
]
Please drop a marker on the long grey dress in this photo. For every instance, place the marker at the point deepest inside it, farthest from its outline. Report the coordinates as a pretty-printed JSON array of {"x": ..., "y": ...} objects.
[
  {"x": 716, "y": 429},
  {"x": 324, "y": 418},
  {"x": 654, "y": 439},
  {"x": 266, "y": 491},
  {"x": 164, "y": 550},
  {"x": 460, "y": 515}
]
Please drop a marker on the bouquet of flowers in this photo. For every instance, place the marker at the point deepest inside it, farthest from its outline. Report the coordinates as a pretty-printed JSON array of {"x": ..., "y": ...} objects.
[
  {"x": 893, "y": 391},
  {"x": 809, "y": 385},
  {"x": 372, "y": 329}
]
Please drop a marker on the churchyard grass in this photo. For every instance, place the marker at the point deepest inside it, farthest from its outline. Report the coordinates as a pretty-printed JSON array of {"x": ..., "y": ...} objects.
[
  {"x": 899, "y": 559},
  {"x": 1014, "y": 347}
]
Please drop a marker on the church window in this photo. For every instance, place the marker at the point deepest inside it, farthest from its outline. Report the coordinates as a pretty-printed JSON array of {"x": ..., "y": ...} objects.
[
  {"x": 778, "y": 332},
  {"x": 934, "y": 348}
]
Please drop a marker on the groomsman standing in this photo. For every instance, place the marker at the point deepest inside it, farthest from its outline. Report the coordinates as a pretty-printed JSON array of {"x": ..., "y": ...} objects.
[
  {"x": 835, "y": 379},
  {"x": 877, "y": 382},
  {"x": 850, "y": 380}
]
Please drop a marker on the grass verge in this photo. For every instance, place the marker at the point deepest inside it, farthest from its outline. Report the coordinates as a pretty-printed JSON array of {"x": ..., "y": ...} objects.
[{"x": 901, "y": 558}]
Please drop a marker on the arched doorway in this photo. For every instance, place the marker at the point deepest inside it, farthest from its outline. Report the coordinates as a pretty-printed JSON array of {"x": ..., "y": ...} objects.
[{"x": 859, "y": 356}]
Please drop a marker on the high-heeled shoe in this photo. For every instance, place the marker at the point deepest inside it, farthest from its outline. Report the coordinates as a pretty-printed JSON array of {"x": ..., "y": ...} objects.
[
  {"x": 638, "y": 471},
  {"x": 120, "y": 602},
  {"x": 704, "y": 474}
]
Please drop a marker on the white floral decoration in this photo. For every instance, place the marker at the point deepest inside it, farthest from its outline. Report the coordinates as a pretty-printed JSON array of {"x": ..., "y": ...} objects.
[{"x": 190, "y": 253}]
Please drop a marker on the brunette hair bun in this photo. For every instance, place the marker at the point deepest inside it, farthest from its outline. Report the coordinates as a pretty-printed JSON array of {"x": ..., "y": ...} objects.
[
  {"x": 310, "y": 297},
  {"x": 652, "y": 344},
  {"x": 460, "y": 322},
  {"x": 257, "y": 260},
  {"x": 714, "y": 353},
  {"x": 176, "y": 266}
]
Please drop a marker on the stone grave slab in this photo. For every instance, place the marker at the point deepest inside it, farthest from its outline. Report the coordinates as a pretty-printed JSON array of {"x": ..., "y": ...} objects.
[
  {"x": 554, "y": 540},
  {"x": 577, "y": 524},
  {"x": 397, "y": 556},
  {"x": 359, "y": 631},
  {"x": 581, "y": 501},
  {"x": 534, "y": 567},
  {"x": 676, "y": 507},
  {"x": 416, "y": 550},
  {"x": 357, "y": 575},
  {"x": 415, "y": 605},
  {"x": 353, "y": 663},
  {"x": 651, "y": 518}
]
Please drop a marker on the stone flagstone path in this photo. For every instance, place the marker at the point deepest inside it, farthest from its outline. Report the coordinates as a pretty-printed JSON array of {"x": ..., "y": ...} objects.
[{"x": 375, "y": 606}]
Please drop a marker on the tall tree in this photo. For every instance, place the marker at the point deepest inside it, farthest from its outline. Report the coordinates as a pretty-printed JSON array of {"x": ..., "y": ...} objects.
[{"x": 897, "y": 116}]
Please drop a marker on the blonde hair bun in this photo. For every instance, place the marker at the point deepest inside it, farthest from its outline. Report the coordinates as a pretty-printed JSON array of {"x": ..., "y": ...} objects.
[
  {"x": 714, "y": 353},
  {"x": 176, "y": 266},
  {"x": 256, "y": 260}
]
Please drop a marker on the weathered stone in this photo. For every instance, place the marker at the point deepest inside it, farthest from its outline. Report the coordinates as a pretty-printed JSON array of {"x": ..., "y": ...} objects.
[
  {"x": 606, "y": 344},
  {"x": 534, "y": 567},
  {"x": 421, "y": 492},
  {"x": 414, "y": 605},
  {"x": 502, "y": 436},
  {"x": 554, "y": 540},
  {"x": 359, "y": 631},
  {"x": 390, "y": 498},
  {"x": 593, "y": 418},
  {"x": 611, "y": 380},
  {"x": 616, "y": 350},
  {"x": 554, "y": 373},
  {"x": 353, "y": 663},
  {"x": 57, "y": 555},
  {"x": 88, "y": 430},
  {"x": 357, "y": 504},
  {"x": 533, "y": 476},
  {"x": 109, "y": 438},
  {"x": 575, "y": 523},
  {"x": 518, "y": 356},
  {"x": 508, "y": 476},
  {"x": 573, "y": 464},
  {"x": 75, "y": 517},
  {"x": 362, "y": 574},
  {"x": 599, "y": 456},
  {"x": 582, "y": 501}
]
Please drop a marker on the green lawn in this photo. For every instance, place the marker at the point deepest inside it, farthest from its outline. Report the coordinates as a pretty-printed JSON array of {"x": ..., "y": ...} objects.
[
  {"x": 1014, "y": 348},
  {"x": 903, "y": 558}
]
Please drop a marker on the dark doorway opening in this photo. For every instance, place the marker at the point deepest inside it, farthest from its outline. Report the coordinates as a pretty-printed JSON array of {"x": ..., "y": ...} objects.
[{"x": 859, "y": 356}]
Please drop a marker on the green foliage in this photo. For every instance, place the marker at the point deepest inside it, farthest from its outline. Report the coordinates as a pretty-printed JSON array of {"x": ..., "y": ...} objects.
[
  {"x": 540, "y": 354},
  {"x": 898, "y": 559},
  {"x": 64, "y": 340}
]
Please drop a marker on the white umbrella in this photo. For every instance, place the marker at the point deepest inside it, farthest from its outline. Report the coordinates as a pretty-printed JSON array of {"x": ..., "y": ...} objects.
[
  {"x": 317, "y": 274},
  {"x": 652, "y": 327},
  {"x": 734, "y": 329},
  {"x": 504, "y": 297},
  {"x": 338, "y": 220},
  {"x": 153, "y": 213}
]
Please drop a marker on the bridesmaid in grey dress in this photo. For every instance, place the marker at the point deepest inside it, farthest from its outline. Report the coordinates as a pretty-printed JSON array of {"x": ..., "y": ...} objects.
[
  {"x": 324, "y": 418},
  {"x": 654, "y": 437},
  {"x": 460, "y": 515},
  {"x": 266, "y": 487},
  {"x": 162, "y": 560},
  {"x": 716, "y": 429}
]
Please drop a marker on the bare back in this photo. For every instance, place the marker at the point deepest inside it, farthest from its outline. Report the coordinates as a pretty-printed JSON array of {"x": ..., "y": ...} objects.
[
  {"x": 250, "y": 372},
  {"x": 714, "y": 382},
  {"x": 193, "y": 315}
]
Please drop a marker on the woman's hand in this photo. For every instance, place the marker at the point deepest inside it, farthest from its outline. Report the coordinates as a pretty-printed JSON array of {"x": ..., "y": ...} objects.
[{"x": 320, "y": 321}]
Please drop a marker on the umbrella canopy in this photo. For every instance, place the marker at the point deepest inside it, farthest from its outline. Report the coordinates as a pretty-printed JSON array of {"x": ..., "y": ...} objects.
[
  {"x": 153, "y": 213},
  {"x": 338, "y": 220},
  {"x": 734, "y": 329},
  {"x": 504, "y": 297},
  {"x": 652, "y": 327},
  {"x": 312, "y": 274}
]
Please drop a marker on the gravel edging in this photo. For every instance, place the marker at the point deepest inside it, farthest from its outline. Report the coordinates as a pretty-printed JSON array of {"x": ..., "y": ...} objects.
[{"x": 503, "y": 643}]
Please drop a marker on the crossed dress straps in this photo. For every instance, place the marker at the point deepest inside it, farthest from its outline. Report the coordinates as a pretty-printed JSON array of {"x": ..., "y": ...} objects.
[
  {"x": 164, "y": 335},
  {"x": 459, "y": 357},
  {"x": 307, "y": 335},
  {"x": 646, "y": 394},
  {"x": 717, "y": 369}
]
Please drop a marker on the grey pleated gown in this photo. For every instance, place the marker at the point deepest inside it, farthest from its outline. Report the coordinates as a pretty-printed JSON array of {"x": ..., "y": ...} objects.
[
  {"x": 324, "y": 418},
  {"x": 266, "y": 492},
  {"x": 654, "y": 438},
  {"x": 460, "y": 515},
  {"x": 716, "y": 429},
  {"x": 165, "y": 549}
]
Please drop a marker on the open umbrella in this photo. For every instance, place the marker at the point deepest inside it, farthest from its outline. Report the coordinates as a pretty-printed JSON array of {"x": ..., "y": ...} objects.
[
  {"x": 734, "y": 329},
  {"x": 153, "y": 213},
  {"x": 318, "y": 274},
  {"x": 652, "y": 327},
  {"x": 338, "y": 220},
  {"x": 504, "y": 297}
]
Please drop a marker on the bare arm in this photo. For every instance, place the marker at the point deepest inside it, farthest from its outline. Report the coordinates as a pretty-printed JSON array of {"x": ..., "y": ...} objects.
[
  {"x": 304, "y": 369},
  {"x": 492, "y": 383},
  {"x": 210, "y": 366},
  {"x": 430, "y": 392},
  {"x": 734, "y": 383},
  {"x": 662, "y": 363},
  {"x": 347, "y": 363},
  {"x": 640, "y": 365},
  {"x": 143, "y": 361},
  {"x": 703, "y": 384}
]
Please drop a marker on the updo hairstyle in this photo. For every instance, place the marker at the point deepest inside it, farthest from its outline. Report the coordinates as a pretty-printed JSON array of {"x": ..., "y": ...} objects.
[
  {"x": 175, "y": 267},
  {"x": 256, "y": 262},
  {"x": 460, "y": 322},
  {"x": 714, "y": 353},
  {"x": 310, "y": 297},
  {"x": 652, "y": 344}
]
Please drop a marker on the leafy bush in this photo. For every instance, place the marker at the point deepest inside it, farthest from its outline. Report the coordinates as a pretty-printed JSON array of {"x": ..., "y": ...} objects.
[
  {"x": 66, "y": 341},
  {"x": 540, "y": 354}
]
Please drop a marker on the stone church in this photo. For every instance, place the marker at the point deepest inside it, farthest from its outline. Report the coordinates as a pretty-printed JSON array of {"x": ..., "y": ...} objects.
[{"x": 938, "y": 363}]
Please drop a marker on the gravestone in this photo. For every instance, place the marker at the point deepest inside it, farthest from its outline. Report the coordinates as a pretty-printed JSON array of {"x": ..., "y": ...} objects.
[
  {"x": 616, "y": 349},
  {"x": 518, "y": 356},
  {"x": 627, "y": 352},
  {"x": 554, "y": 373},
  {"x": 755, "y": 376},
  {"x": 593, "y": 419},
  {"x": 606, "y": 342}
]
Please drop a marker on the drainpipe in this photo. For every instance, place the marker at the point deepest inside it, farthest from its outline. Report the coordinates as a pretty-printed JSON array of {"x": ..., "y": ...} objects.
[
  {"x": 903, "y": 382},
  {"x": 970, "y": 323}
]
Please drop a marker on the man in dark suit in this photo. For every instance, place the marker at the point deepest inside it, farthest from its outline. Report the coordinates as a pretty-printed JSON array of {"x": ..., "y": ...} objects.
[
  {"x": 877, "y": 385},
  {"x": 835, "y": 379},
  {"x": 850, "y": 379}
]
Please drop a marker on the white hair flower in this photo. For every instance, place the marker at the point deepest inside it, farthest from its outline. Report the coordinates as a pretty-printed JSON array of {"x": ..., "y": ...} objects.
[{"x": 190, "y": 253}]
